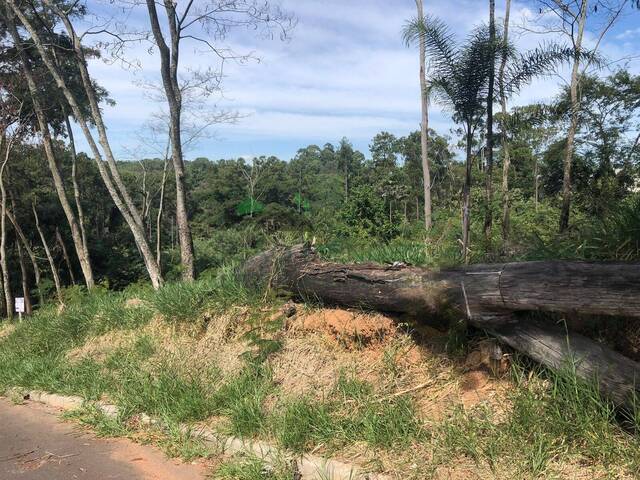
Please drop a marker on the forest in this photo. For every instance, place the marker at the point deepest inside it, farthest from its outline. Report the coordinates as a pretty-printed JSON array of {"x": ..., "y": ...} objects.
[{"x": 84, "y": 233}]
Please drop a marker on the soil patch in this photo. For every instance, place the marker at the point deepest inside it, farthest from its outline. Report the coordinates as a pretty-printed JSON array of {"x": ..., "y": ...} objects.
[{"x": 352, "y": 329}]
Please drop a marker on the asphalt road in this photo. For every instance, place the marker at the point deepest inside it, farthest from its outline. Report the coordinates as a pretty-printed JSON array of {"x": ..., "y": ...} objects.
[{"x": 36, "y": 445}]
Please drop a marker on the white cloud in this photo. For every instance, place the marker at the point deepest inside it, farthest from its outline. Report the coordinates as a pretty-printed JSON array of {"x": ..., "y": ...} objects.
[{"x": 344, "y": 72}]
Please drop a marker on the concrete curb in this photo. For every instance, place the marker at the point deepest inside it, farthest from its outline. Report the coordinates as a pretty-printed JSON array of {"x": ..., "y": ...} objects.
[{"x": 310, "y": 467}]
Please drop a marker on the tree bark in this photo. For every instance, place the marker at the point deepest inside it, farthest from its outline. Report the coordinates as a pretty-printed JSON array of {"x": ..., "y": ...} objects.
[
  {"x": 617, "y": 376},
  {"x": 65, "y": 255},
  {"x": 466, "y": 200},
  {"x": 56, "y": 175},
  {"x": 76, "y": 186},
  {"x": 488, "y": 295},
  {"x": 28, "y": 307},
  {"x": 159, "y": 216},
  {"x": 573, "y": 126},
  {"x": 47, "y": 251},
  {"x": 488, "y": 214},
  {"x": 169, "y": 58},
  {"x": 424, "y": 126},
  {"x": 506, "y": 157},
  {"x": 4, "y": 267},
  {"x": 111, "y": 177}
]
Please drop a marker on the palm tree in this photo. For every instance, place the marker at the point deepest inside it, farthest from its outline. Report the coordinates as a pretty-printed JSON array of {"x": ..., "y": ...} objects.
[{"x": 459, "y": 78}]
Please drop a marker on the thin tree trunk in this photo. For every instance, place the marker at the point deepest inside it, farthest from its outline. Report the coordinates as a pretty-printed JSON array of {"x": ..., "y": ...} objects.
[
  {"x": 466, "y": 199},
  {"x": 47, "y": 251},
  {"x": 488, "y": 215},
  {"x": 506, "y": 157},
  {"x": 424, "y": 126},
  {"x": 536, "y": 182},
  {"x": 76, "y": 187},
  {"x": 573, "y": 126},
  {"x": 65, "y": 254},
  {"x": 169, "y": 58},
  {"x": 111, "y": 177},
  {"x": 30, "y": 253},
  {"x": 28, "y": 307},
  {"x": 346, "y": 180},
  {"x": 51, "y": 160},
  {"x": 159, "y": 216},
  {"x": 6, "y": 283}
]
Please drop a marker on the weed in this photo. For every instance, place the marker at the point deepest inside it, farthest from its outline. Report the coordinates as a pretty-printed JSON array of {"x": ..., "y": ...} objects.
[
  {"x": 242, "y": 397},
  {"x": 303, "y": 423},
  {"x": 103, "y": 425},
  {"x": 178, "y": 442},
  {"x": 248, "y": 467}
]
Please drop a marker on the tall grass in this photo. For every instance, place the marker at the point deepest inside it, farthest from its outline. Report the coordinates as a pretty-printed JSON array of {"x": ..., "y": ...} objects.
[{"x": 551, "y": 415}]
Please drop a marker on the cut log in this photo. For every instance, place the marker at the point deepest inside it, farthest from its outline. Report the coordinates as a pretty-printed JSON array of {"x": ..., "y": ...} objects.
[
  {"x": 487, "y": 295},
  {"x": 478, "y": 290},
  {"x": 617, "y": 376}
]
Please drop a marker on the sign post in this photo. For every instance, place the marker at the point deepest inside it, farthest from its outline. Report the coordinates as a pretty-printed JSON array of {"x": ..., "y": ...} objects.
[{"x": 19, "y": 306}]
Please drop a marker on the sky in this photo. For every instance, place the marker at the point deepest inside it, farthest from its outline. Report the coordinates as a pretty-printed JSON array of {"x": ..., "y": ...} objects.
[{"x": 343, "y": 71}]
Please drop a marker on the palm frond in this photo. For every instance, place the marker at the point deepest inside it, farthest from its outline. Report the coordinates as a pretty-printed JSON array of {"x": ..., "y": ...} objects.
[
  {"x": 540, "y": 61},
  {"x": 439, "y": 41}
]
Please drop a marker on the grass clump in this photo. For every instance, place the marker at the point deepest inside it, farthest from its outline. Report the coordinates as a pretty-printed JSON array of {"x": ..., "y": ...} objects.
[
  {"x": 249, "y": 467},
  {"x": 103, "y": 425},
  {"x": 181, "y": 301},
  {"x": 241, "y": 399},
  {"x": 218, "y": 289},
  {"x": 163, "y": 392},
  {"x": 304, "y": 423}
]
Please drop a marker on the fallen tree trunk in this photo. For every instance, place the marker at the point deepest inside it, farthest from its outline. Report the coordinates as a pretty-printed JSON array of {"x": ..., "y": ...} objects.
[{"x": 488, "y": 295}]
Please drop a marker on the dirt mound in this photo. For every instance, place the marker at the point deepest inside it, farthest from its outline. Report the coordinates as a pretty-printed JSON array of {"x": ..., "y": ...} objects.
[{"x": 350, "y": 328}]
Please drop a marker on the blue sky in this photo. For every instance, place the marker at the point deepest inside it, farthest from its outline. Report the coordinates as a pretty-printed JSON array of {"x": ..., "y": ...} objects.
[{"x": 344, "y": 72}]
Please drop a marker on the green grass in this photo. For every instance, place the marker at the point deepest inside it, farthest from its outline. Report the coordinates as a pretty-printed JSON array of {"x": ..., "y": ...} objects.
[
  {"x": 253, "y": 468},
  {"x": 554, "y": 415},
  {"x": 352, "y": 414},
  {"x": 241, "y": 399}
]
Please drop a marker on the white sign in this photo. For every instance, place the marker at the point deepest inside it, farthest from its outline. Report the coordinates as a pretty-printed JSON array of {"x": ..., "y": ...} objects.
[{"x": 19, "y": 304}]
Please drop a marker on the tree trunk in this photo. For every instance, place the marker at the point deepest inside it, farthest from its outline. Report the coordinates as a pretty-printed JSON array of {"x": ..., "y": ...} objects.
[
  {"x": 56, "y": 175},
  {"x": 76, "y": 187},
  {"x": 4, "y": 266},
  {"x": 110, "y": 177},
  {"x": 346, "y": 180},
  {"x": 424, "y": 126},
  {"x": 536, "y": 182},
  {"x": 488, "y": 214},
  {"x": 65, "y": 255},
  {"x": 159, "y": 216},
  {"x": 169, "y": 58},
  {"x": 466, "y": 200},
  {"x": 573, "y": 126},
  {"x": 488, "y": 295},
  {"x": 47, "y": 251},
  {"x": 506, "y": 158},
  {"x": 30, "y": 253},
  {"x": 28, "y": 307}
]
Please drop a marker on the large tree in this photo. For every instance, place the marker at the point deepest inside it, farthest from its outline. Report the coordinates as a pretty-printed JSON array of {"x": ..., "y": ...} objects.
[{"x": 207, "y": 23}]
